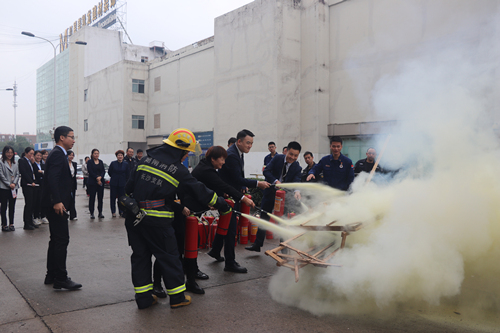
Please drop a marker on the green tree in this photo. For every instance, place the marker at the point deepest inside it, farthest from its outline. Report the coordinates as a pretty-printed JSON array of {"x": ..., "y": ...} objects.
[{"x": 19, "y": 144}]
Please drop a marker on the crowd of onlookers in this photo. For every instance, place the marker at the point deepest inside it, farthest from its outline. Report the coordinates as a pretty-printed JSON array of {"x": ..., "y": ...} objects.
[
  {"x": 119, "y": 170},
  {"x": 27, "y": 171}
]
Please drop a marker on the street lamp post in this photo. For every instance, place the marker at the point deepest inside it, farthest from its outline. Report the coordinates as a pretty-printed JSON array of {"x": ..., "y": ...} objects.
[
  {"x": 15, "y": 105},
  {"x": 29, "y": 34}
]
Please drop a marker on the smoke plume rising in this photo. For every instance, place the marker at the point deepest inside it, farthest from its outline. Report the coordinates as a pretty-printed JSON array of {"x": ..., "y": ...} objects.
[{"x": 431, "y": 231}]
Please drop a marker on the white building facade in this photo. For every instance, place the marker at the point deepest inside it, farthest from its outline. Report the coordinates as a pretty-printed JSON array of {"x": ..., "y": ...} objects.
[{"x": 284, "y": 69}]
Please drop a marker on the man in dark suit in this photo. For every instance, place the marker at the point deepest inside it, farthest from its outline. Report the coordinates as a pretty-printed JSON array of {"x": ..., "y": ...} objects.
[
  {"x": 233, "y": 173},
  {"x": 28, "y": 185},
  {"x": 281, "y": 169},
  {"x": 56, "y": 200}
]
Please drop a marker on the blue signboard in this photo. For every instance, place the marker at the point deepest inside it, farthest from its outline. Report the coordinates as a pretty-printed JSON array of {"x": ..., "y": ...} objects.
[{"x": 206, "y": 139}]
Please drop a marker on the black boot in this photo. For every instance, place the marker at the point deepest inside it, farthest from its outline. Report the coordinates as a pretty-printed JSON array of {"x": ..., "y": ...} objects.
[
  {"x": 253, "y": 247},
  {"x": 159, "y": 291},
  {"x": 193, "y": 287},
  {"x": 157, "y": 288}
]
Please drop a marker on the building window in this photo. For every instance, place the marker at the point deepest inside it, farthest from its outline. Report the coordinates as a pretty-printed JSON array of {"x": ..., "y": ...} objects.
[
  {"x": 138, "y": 122},
  {"x": 85, "y": 94},
  {"x": 157, "y": 120},
  {"x": 157, "y": 83},
  {"x": 138, "y": 86},
  {"x": 144, "y": 59},
  {"x": 85, "y": 125}
]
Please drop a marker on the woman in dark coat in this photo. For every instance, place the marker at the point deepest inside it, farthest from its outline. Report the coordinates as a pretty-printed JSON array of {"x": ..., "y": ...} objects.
[
  {"x": 95, "y": 184},
  {"x": 118, "y": 171},
  {"x": 72, "y": 168},
  {"x": 206, "y": 172},
  {"x": 38, "y": 168}
]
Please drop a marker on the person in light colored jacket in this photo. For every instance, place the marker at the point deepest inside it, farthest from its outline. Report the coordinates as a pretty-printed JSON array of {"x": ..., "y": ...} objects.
[
  {"x": 85, "y": 174},
  {"x": 9, "y": 183}
]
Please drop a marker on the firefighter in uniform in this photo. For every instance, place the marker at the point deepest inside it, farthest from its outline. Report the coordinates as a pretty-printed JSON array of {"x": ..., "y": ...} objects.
[{"x": 153, "y": 185}]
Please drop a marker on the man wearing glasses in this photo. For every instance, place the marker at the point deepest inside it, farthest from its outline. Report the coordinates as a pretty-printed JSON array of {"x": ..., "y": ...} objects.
[
  {"x": 366, "y": 164},
  {"x": 56, "y": 200}
]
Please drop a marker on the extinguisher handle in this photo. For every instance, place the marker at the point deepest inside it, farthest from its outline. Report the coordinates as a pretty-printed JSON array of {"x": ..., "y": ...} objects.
[
  {"x": 200, "y": 213},
  {"x": 261, "y": 210}
]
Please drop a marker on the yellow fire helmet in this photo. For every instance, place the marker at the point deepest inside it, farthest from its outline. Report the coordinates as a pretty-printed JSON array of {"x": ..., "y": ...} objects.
[{"x": 182, "y": 138}]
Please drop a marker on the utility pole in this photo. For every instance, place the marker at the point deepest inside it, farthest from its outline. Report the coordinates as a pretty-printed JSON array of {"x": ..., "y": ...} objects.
[{"x": 15, "y": 106}]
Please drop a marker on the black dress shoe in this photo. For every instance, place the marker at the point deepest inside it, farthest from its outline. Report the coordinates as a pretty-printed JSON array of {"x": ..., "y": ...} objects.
[
  {"x": 35, "y": 226},
  {"x": 159, "y": 292},
  {"x": 66, "y": 284},
  {"x": 193, "y": 287},
  {"x": 254, "y": 247},
  {"x": 92, "y": 217},
  {"x": 29, "y": 227},
  {"x": 49, "y": 279},
  {"x": 235, "y": 268},
  {"x": 201, "y": 276},
  {"x": 101, "y": 216},
  {"x": 216, "y": 256}
]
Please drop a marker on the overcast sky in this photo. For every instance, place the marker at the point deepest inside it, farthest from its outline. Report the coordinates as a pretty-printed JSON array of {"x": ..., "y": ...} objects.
[{"x": 177, "y": 23}]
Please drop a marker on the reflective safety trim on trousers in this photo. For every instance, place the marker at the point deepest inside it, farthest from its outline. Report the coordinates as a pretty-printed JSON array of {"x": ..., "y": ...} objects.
[
  {"x": 159, "y": 213},
  {"x": 177, "y": 290},
  {"x": 158, "y": 173},
  {"x": 139, "y": 290},
  {"x": 214, "y": 200}
]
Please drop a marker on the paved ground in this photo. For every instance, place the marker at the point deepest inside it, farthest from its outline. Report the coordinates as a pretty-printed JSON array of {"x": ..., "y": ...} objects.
[{"x": 98, "y": 257}]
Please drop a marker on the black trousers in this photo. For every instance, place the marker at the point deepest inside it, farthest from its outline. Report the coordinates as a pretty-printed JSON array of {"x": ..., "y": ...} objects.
[
  {"x": 268, "y": 206},
  {"x": 114, "y": 194},
  {"x": 37, "y": 202},
  {"x": 291, "y": 205},
  {"x": 228, "y": 240},
  {"x": 72, "y": 207},
  {"x": 6, "y": 200},
  {"x": 58, "y": 245},
  {"x": 146, "y": 241},
  {"x": 29, "y": 199},
  {"x": 93, "y": 190},
  {"x": 190, "y": 265}
]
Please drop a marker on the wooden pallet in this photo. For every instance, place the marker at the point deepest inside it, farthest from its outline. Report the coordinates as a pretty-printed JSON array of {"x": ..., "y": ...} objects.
[{"x": 311, "y": 256}]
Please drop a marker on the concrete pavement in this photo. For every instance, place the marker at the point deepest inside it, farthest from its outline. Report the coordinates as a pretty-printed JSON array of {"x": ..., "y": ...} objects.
[{"x": 98, "y": 257}]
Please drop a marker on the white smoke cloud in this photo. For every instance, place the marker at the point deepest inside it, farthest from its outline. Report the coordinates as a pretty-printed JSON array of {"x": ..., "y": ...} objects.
[{"x": 436, "y": 225}]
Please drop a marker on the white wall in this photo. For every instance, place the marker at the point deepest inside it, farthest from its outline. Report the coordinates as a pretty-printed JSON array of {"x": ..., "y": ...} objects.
[
  {"x": 187, "y": 91},
  {"x": 284, "y": 69},
  {"x": 370, "y": 39}
]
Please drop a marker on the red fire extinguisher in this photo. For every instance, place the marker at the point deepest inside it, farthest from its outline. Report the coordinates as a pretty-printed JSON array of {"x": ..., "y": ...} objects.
[
  {"x": 279, "y": 209},
  {"x": 204, "y": 231},
  {"x": 191, "y": 243},
  {"x": 252, "y": 230},
  {"x": 244, "y": 222},
  {"x": 213, "y": 230},
  {"x": 224, "y": 220},
  {"x": 279, "y": 203},
  {"x": 202, "y": 241}
]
